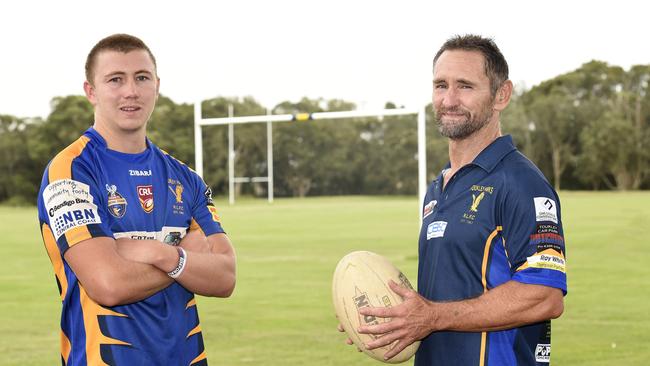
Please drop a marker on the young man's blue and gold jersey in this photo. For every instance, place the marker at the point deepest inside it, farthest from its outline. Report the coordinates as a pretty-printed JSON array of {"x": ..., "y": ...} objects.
[
  {"x": 91, "y": 191},
  {"x": 496, "y": 220}
]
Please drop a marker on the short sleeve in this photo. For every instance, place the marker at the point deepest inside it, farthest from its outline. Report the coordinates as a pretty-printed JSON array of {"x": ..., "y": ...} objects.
[
  {"x": 532, "y": 231},
  {"x": 204, "y": 213},
  {"x": 69, "y": 204}
]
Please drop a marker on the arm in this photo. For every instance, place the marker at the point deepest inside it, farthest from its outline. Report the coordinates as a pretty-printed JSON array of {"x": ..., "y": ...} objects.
[
  {"x": 509, "y": 305},
  {"x": 210, "y": 261},
  {"x": 209, "y": 272},
  {"x": 109, "y": 278}
]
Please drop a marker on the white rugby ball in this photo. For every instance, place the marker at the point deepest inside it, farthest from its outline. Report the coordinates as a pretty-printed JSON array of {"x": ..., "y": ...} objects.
[{"x": 361, "y": 280}]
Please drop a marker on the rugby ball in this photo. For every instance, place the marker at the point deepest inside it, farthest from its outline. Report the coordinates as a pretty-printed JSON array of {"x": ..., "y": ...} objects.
[{"x": 361, "y": 280}]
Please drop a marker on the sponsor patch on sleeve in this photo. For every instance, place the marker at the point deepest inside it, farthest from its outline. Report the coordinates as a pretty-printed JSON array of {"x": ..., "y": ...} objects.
[
  {"x": 545, "y": 209},
  {"x": 548, "y": 260},
  {"x": 436, "y": 229},
  {"x": 215, "y": 216},
  {"x": 543, "y": 353},
  {"x": 69, "y": 204},
  {"x": 208, "y": 196}
]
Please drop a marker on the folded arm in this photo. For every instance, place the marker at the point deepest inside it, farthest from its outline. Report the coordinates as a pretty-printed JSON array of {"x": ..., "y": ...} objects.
[
  {"x": 109, "y": 278},
  {"x": 210, "y": 261}
]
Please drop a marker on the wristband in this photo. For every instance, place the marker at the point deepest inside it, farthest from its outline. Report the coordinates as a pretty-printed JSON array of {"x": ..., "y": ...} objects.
[{"x": 182, "y": 261}]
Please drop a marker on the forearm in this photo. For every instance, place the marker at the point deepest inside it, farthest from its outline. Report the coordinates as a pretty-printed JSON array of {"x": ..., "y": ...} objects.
[
  {"x": 137, "y": 281},
  {"x": 141, "y": 279},
  {"x": 110, "y": 278},
  {"x": 208, "y": 274},
  {"x": 209, "y": 268},
  {"x": 509, "y": 305}
]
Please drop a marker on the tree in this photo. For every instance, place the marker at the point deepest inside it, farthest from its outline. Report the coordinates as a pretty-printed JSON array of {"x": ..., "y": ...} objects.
[
  {"x": 70, "y": 117},
  {"x": 560, "y": 108},
  {"x": 171, "y": 128},
  {"x": 250, "y": 143},
  {"x": 19, "y": 175},
  {"x": 615, "y": 141}
]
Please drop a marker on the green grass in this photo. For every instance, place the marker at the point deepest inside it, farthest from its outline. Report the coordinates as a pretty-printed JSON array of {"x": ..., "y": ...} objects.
[{"x": 281, "y": 311}]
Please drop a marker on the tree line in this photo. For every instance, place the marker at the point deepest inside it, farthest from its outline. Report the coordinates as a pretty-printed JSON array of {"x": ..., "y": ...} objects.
[{"x": 587, "y": 129}]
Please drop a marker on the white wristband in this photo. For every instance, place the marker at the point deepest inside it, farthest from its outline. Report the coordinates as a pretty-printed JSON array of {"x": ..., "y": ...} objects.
[{"x": 182, "y": 261}]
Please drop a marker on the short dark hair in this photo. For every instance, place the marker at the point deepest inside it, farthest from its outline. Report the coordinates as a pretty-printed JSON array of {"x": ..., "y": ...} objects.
[
  {"x": 117, "y": 42},
  {"x": 496, "y": 67}
]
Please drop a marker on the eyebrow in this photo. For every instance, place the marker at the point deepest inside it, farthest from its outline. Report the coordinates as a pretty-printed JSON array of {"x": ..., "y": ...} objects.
[
  {"x": 461, "y": 81},
  {"x": 120, "y": 73},
  {"x": 466, "y": 82}
]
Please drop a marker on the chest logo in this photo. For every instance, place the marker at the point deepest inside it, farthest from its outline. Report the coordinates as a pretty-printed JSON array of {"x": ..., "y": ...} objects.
[
  {"x": 436, "y": 229},
  {"x": 476, "y": 200},
  {"x": 116, "y": 202},
  {"x": 145, "y": 196},
  {"x": 177, "y": 190},
  {"x": 428, "y": 208},
  {"x": 478, "y": 194}
]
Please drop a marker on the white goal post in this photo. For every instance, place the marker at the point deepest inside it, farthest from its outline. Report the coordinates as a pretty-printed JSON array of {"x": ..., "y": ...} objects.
[{"x": 199, "y": 122}]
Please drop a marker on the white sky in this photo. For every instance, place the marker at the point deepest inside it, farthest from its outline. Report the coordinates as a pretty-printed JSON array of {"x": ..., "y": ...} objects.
[{"x": 368, "y": 52}]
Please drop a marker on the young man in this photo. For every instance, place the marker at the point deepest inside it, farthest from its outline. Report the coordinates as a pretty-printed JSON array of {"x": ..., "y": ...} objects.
[
  {"x": 132, "y": 233},
  {"x": 491, "y": 254}
]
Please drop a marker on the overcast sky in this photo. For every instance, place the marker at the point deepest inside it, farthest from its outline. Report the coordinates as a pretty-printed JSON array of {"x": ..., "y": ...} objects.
[{"x": 368, "y": 52}]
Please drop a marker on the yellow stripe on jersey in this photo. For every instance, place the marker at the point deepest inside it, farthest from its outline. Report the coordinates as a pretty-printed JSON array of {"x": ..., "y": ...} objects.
[
  {"x": 55, "y": 258},
  {"x": 77, "y": 235},
  {"x": 194, "y": 225},
  {"x": 65, "y": 347},
  {"x": 198, "y": 358},
  {"x": 486, "y": 255},
  {"x": 190, "y": 303},
  {"x": 94, "y": 336},
  {"x": 194, "y": 331},
  {"x": 61, "y": 168}
]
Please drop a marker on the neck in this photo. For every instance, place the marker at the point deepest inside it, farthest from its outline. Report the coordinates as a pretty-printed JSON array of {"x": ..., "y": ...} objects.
[
  {"x": 129, "y": 142},
  {"x": 464, "y": 151}
]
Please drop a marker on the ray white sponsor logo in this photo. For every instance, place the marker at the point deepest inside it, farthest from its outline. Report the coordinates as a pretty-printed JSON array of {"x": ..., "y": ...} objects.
[
  {"x": 545, "y": 209},
  {"x": 543, "y": 353},
  {"x": 547, "y": 261},
  {"x": 428, "y": 208},
  {"x": 69, "y": 205},
  {"x": 436, "y": 229},
  {"x": 139, "y": 173}
]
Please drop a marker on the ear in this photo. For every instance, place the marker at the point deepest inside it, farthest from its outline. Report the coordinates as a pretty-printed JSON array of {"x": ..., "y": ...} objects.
[
  {"x": 157, "y": 87},
  {"x": 89, "y": 89},
  {"x": 502, "y": 98}
]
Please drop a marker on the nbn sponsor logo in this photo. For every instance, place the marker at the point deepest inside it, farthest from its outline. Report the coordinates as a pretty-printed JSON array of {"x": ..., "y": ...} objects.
[{"x": 76, "y": 215}]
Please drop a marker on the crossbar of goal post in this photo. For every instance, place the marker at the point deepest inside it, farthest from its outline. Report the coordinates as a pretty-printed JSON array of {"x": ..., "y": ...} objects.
[{"x": 271, "y": 118}]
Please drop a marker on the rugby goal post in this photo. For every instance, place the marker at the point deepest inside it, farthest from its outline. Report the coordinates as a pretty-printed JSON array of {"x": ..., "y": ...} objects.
[{"x": 269, "y": 119}]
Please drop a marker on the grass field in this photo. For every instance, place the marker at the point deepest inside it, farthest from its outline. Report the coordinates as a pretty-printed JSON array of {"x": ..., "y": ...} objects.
[{"x": 281, "y": 311}]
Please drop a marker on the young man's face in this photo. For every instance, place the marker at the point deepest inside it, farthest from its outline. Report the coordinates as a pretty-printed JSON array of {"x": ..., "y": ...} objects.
[
  {"x": 461, "y": 93},
  {"x": 124, "y": 90}
]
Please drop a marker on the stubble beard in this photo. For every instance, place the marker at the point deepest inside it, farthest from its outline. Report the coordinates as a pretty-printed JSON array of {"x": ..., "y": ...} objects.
[{"x": 464, "y": 128}]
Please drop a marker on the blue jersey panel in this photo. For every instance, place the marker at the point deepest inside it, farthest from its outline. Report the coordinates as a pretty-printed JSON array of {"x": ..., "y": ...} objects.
[
  {"x": 91, "y": 191},
  {"x": 495, "y": 221}
]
